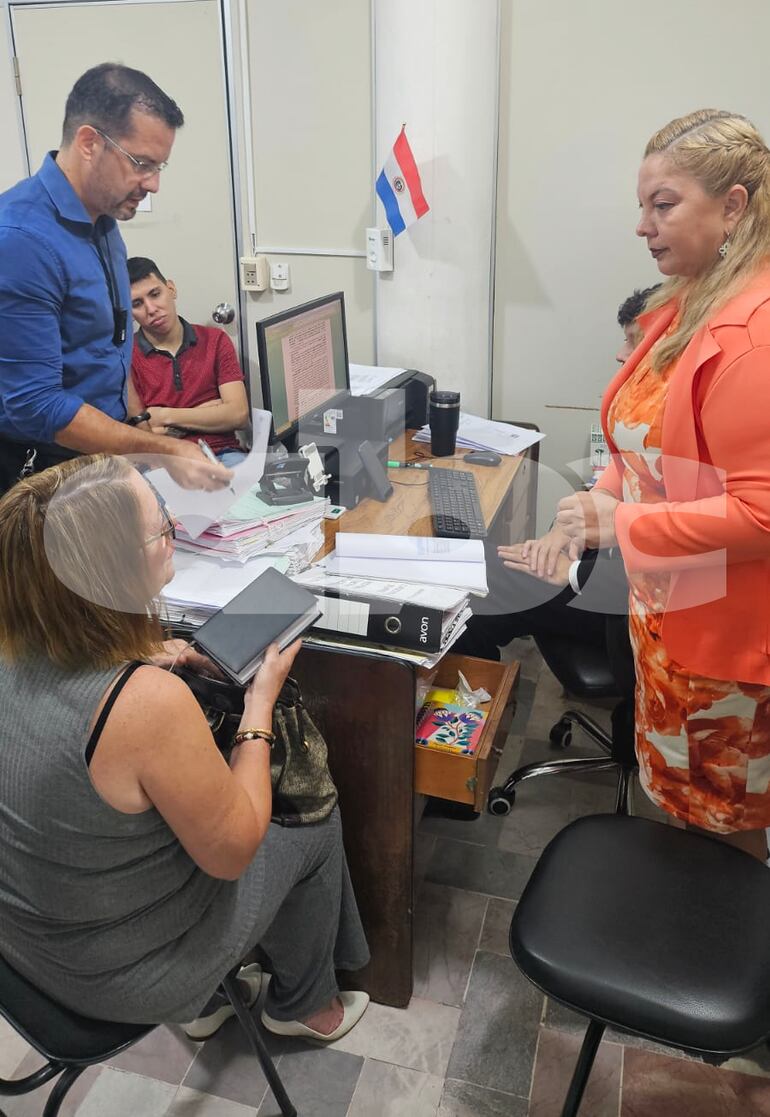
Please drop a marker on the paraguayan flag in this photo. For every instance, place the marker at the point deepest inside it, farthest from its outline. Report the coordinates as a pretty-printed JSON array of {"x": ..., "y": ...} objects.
[{"x": 399, "y": 187}]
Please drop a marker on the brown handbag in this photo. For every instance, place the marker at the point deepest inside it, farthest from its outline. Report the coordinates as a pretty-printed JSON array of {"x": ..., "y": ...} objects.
[{"x": 303, "y": 789}]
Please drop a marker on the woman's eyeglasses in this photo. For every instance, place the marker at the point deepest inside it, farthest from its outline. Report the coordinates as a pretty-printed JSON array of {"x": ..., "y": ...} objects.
[{"x": 168, "y": 531}]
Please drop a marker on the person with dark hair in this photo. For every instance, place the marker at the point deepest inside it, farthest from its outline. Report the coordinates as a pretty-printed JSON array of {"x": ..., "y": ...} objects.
[
  {"x": 628, "y": 312},
  {"x": 537, "y": 588},
  {"x": 65, "y": 342},
  {"x": 185, "y": 379}
]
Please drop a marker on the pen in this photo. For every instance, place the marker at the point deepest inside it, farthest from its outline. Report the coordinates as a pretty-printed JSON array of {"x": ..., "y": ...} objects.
[{"x": 207, "y": 452}]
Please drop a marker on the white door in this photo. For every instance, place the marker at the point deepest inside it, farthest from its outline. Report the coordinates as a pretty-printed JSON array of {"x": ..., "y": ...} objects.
[{"x": 189, "y": 231}]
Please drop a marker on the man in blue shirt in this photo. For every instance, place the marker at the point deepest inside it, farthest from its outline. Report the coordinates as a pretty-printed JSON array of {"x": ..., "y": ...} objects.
[{"x": 65, "y": 337}]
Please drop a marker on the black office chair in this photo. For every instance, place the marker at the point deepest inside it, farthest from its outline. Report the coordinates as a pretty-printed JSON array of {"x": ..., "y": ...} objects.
[
  {"x": 586, "y": 671},
  {"x": 71, "y": 1042},
  {"x": 650, "y": 929}
]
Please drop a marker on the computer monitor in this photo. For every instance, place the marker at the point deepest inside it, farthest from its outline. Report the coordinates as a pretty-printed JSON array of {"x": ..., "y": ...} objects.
[{"x": 303, "y": 360}]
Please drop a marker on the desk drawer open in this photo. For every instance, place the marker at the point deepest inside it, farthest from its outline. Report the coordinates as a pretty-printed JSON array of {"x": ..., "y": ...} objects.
[{"x": 467, "y": 779}]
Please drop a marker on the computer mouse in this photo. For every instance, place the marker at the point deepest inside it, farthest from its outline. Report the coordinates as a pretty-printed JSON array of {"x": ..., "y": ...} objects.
[{"x": 482, "y": 457}]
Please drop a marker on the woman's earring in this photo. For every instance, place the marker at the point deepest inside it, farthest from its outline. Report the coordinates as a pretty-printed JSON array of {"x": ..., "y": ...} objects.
[{"x": 724, "y": 247}]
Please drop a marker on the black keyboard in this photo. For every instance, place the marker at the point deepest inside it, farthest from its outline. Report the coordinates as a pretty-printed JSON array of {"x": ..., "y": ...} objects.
[{"x": 454, "y": 503}]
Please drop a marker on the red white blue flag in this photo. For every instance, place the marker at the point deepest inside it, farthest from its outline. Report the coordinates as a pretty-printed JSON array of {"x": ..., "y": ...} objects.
[{"x": 399, "y": 187}]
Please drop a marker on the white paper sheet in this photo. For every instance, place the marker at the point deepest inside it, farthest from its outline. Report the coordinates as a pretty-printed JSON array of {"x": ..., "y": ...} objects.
[
  {"x": 209, "y": 583},
  {"x": 488, "y": 434},
  {"x": 421, "y": 659},
  {"x": 198, "y": 509},
  {"x": 432, "y": 597},
  {"x": 466, "y": 575},
  {"x": 418, "y": 548},
  {"x": 365, "y": 379}
]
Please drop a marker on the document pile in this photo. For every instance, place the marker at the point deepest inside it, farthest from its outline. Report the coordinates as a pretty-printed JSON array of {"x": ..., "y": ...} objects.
[
  {"x": 203, "y": 584},
  {"x": 251, "y": 527},
  {"x": 475, "y": 433},
  {"x": 408, "y": 596}
]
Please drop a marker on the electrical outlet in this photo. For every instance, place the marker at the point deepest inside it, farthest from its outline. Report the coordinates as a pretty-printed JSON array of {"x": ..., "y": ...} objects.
[{"x": 255, "y": 274}]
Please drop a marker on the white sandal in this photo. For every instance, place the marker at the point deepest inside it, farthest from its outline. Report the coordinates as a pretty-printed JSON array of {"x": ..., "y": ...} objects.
[{"x": 353, "y": 1008}]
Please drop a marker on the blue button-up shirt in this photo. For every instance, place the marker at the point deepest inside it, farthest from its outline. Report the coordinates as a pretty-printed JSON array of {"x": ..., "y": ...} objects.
[{"x": 56, "y": 310}]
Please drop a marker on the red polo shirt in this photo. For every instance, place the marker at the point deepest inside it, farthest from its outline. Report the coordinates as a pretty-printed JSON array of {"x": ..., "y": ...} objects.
[{"x": 206, "y": 359}]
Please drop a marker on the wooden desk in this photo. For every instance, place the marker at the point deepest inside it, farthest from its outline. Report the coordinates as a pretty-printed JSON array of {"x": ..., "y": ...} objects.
[
  {"x": 504, "y": 492},
  {"x": 365, "y": 707}
]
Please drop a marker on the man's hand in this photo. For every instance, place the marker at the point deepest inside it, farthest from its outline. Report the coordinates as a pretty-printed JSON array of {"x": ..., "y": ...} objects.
[
  {"x": 515, "y": 559},
  {"x": 159, "y": 419},
  {"x": 190, "y": 469},
  {"x": 588, "y": 518}
]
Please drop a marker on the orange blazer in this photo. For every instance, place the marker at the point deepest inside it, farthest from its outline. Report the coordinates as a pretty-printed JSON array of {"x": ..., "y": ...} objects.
[{"x": 712, "y": 532}]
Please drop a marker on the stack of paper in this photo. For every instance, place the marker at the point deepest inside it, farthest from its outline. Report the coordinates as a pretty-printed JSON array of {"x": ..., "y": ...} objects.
[
  {"x": 404, "y": 596},
  {"x": 411, "y": 558},
  {"x": 252, "y": 527},
  {"x": 475, "y": 433},
  {"x": 202, "y": 584}
]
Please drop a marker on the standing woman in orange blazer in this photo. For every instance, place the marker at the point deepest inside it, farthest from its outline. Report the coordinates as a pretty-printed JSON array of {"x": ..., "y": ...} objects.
[{"x": 687, "y": 496}]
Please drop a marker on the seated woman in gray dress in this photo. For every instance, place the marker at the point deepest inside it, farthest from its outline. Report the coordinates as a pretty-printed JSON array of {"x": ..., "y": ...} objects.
[{"x": 139, "y": 867}]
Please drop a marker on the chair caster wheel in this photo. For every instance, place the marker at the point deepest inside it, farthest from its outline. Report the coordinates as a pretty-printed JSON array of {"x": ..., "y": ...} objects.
[
  {"x": 561, "y": 734},
  {"x": 500, "y": 803}
]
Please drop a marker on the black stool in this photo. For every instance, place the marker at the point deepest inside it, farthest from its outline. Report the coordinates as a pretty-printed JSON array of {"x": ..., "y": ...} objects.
[
  {"x": 653, "y": 930},
  {"x": 70, "y": 1042}
]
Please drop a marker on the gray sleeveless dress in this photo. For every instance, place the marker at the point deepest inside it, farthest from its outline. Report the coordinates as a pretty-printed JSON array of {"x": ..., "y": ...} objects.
[{"x": 107, "y": 913}]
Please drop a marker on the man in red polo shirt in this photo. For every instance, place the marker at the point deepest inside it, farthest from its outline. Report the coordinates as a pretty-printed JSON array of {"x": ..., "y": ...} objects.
[{"x": 185, "y": 380}]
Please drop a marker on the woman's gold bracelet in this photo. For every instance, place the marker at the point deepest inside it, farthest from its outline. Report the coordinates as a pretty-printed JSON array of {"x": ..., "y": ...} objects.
[{"x": 253, "y": 734}]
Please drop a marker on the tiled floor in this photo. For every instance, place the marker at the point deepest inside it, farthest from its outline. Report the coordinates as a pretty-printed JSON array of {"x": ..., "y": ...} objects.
[{"x": 477, "y": 1040}]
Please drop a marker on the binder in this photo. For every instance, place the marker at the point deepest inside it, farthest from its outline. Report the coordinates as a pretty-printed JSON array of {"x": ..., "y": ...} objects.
[{"x": 403, "y": 624}]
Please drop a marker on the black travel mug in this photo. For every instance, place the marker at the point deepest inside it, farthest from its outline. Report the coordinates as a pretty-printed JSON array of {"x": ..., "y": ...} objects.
[{"x": 444, "y": 419}]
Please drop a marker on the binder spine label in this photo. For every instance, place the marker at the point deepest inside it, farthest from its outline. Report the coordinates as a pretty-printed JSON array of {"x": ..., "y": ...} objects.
[{"x": 342, "y": 615}]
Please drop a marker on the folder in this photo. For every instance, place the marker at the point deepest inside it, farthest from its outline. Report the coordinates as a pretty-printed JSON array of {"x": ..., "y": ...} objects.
[{"x": 403, "y": 624}]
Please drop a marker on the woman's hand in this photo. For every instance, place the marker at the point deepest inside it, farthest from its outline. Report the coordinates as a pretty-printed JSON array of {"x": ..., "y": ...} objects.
[
  {"x": 266, "y": 686},
  {"x": 514, "y": 558},
  {"x": 542, "y": 553},
  {"x": 588, "y": 518},
  {"x": 179, "y": 653}
]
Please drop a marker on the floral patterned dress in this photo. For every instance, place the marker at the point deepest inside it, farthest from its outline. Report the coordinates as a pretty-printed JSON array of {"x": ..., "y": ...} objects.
[{"x": 703, "y": 745}]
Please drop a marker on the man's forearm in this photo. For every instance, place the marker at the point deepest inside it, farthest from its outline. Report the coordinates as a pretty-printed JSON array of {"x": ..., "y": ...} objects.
[
  {"x": 214, "y": 416},
  {"x": 93, "y": 432}
]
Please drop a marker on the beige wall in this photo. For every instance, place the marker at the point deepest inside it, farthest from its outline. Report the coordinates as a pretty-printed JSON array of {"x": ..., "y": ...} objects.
[
  {"x": 311, "y": 95},
  {"x": 583, "y": 88},
  {"x": 437, "y": 70}
]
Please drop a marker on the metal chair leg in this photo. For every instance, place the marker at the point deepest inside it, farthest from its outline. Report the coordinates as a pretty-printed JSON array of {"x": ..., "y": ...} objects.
[
  {"x": 624, "y": 783},
  {"x": 577, "y": 1086},
  {"x": 15, "y": 1087},
  {"x": 57, "y": 1095},
  {"x": 248, "y": 1023}
]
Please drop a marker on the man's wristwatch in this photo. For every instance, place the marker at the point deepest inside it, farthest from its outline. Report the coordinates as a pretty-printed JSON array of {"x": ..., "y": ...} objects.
[{"x": 135, "y": 420}]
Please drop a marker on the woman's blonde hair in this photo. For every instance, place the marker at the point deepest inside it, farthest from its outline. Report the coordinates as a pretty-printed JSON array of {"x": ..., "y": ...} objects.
[
  {"x": 720, "y": 149},
  {"x": 74, "y": 582}
]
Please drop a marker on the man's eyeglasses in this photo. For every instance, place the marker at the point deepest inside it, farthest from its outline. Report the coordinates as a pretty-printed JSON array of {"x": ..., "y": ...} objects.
[
  {"x": 141, "y": 166},
  {"x": 168, "y": 531}
]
